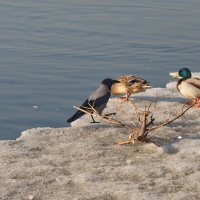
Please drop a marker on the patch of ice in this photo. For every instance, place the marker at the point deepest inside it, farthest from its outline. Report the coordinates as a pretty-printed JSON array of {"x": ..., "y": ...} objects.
[
  {"x": 171, "y": 86},
  {"x": 179, "y": 137},
  {"x": 196, "y": 74}
]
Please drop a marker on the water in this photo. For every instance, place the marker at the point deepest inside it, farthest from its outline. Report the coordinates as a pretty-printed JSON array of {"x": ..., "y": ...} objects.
[{"x": 53, "y": 54}]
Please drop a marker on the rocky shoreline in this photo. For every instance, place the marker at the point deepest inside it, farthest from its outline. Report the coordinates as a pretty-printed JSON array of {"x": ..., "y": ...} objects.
[{"x": 81, "y": 162}]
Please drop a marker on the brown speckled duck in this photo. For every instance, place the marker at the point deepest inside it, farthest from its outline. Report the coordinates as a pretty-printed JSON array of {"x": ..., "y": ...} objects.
[
  {"x": 188, "y": 86},
  {"x": 129, "y": 84}
]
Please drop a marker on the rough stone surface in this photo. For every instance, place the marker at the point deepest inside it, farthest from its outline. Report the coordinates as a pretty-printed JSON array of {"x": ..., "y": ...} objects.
[{"x": 81, "y": 162}]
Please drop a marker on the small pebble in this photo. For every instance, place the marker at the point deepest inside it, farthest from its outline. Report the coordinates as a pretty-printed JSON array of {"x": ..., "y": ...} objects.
[
  {"x": 30, "y": 197},
  {"x": 179, "y": 137}
]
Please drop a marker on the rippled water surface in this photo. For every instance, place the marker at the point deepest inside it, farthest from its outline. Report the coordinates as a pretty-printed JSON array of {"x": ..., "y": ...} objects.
[{"x": 53, "y": 54}]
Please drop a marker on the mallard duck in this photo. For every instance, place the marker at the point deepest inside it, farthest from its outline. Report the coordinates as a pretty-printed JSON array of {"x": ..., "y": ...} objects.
[
  {"x": 129, "y": 84},
  {"x": 188, "y": 86}
]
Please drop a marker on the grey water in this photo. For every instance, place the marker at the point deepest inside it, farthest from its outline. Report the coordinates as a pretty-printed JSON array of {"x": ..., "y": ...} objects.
[{"x": 53, "y": 54}]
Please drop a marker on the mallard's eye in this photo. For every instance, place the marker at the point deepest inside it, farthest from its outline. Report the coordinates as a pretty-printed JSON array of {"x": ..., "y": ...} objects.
[{"x": 180, "y": 72}]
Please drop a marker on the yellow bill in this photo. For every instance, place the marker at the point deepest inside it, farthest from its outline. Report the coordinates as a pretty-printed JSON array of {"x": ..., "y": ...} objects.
[{"x": 174, "y": 74}]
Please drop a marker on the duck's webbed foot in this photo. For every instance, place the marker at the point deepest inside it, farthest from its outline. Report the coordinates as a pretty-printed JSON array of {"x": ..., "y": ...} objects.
[
  {"x": 196, "y": 103},
  {"x": 126, "y": 98}
]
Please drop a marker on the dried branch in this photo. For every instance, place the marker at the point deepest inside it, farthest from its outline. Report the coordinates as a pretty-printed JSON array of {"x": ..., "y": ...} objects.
[
  {"x": 136, "y": 110},
  {"x": 126, "y": 116},
  {"x": 102, "y": 117},
  {"x": 145, "y": 120},
  {"x": 169, "y": 121},
  {"x": 153, "y": 102}
]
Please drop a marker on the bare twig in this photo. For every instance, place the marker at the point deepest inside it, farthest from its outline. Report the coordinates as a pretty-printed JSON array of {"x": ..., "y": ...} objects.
[
  {"x": 145, "y": 120},
  {"x": 136, "y": 110},
  {"x": 153, "y": 101},
  {"x": 169, "y": 121},
  {"x": 126, "y": 116},
  {"x": 103, "y": 117}
]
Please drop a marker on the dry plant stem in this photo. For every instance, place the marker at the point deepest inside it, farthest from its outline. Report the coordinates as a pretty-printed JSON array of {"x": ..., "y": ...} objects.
[
  {"x": 136, "y": 109},
  {"x": 125, "y": 115},
  {"x": 152, "y": 102},
  {"x": 169, "y": 121},
  {"x": 103, "y": 117},
  {"x": 145, "y": 119},
  {"x": 142, "y": 129}
]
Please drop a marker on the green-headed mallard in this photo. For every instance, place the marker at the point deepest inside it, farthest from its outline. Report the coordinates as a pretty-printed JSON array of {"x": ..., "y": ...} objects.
[
  {"x": 129, "y": 84},
  {"x": 188, "y": 86}
]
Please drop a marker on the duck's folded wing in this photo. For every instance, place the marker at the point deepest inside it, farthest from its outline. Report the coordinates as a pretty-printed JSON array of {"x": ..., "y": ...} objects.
[
  {"x": 194, "y": 81},
  {"x": 126, "y": 78}
]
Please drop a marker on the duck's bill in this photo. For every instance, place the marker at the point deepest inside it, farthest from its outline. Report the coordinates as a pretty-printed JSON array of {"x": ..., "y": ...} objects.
[{"x": 174, "y": 74}]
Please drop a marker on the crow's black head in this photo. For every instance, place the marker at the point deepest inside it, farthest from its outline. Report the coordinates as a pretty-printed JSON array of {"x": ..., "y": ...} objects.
[{"x": 109, "y": 82}]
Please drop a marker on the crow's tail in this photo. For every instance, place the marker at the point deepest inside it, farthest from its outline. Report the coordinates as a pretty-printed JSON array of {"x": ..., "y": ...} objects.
[{"x": 76, "y": 116}]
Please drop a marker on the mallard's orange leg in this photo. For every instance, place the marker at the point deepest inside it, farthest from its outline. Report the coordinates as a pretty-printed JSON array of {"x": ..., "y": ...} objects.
[
  {"x": 126, "y": 98},
  {"x": 196, "y": 103}
]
